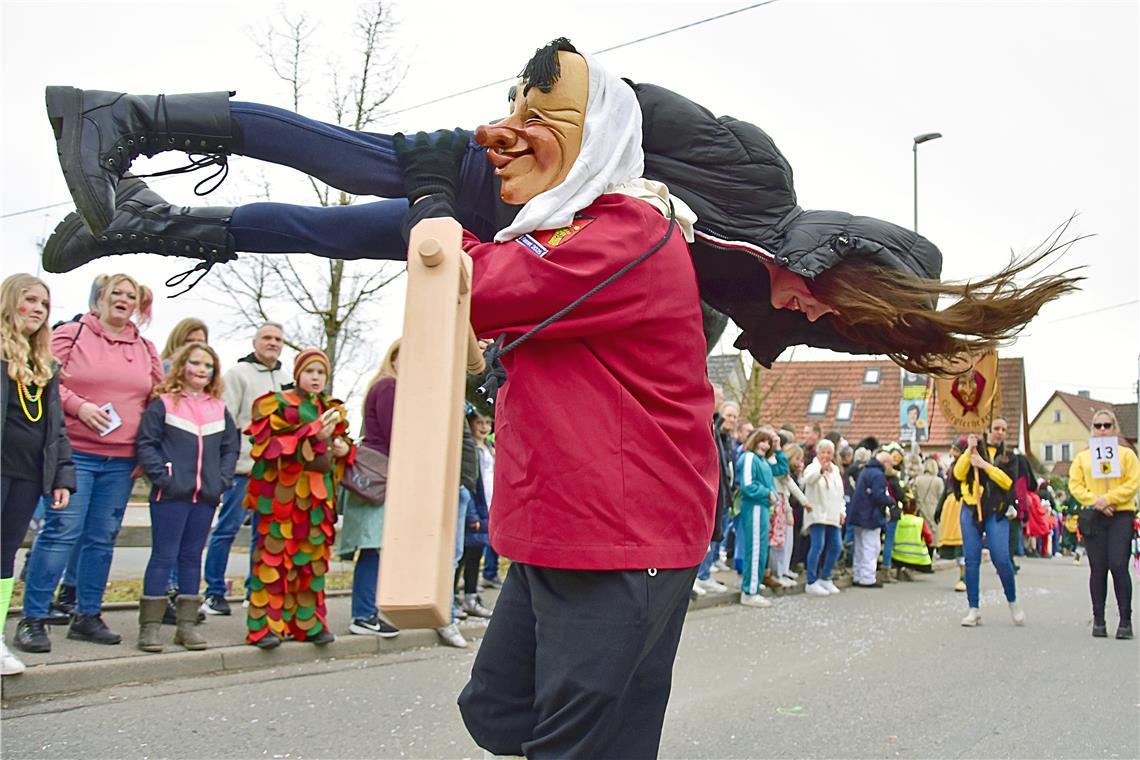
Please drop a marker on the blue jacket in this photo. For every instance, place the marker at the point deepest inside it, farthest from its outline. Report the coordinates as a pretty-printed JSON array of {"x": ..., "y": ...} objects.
[
  {"x": 188, "y": 449},
  {"x": 870, "y": 497},
  {"x": 755, "y": 477}
]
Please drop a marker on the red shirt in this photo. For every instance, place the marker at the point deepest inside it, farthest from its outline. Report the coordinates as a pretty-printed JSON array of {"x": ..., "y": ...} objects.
[{"x": 604, "y": 451}]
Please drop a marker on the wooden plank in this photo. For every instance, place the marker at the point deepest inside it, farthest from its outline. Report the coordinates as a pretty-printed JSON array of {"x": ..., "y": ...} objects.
[{"x": 418, "y": 559}]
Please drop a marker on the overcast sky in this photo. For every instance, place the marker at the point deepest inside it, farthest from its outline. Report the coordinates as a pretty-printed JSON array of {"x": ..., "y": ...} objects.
[{"x": 1038, "y": 104}]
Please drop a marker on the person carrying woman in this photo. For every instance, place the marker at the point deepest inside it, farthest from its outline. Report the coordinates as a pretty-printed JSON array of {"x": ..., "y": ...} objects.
[
  {"x": 758, "y": 496},
  {"x": 189, "y": 330},
  {"x": 362, "y": 530},
  {"x": 36, "y": 456},
  {"x": 985, "y": 488},
  {"x": 107, "y": 372},
  {"x": 823, "y": 484},
  {"x": 187, "y": 446},
  {"x": 1108, "y": 535},
  {"x": 300, "y": 449}
]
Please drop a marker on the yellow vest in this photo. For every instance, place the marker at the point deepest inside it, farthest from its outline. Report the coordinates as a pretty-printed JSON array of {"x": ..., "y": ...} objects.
[{"x": 909, "y": 546}]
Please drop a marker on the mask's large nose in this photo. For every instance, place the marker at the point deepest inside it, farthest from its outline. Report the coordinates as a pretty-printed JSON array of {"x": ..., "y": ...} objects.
[{"x": 495, "y": 136}]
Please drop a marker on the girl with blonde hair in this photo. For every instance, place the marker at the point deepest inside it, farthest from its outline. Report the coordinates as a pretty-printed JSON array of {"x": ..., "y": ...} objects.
[
  {"x": 107, "y": 374},
  {"x": 36, "y": 457},
  {"x": 188, "y": 447}
]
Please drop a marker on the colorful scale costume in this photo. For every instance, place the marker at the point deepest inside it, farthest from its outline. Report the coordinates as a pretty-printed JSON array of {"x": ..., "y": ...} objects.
[{"x": 292, "y": 486}]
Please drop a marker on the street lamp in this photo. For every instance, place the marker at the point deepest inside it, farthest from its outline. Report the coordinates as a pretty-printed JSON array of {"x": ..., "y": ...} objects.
[{"x": 918, "y": 141}]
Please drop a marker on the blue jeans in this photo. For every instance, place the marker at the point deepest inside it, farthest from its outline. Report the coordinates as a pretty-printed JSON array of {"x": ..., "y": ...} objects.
[
  {"x": 230, "y": 518},
  {"x": 364, "y": 578},
  {"x": 705, "y": 569},
  {"x": 997, "y": 531},
  {"x": 490, "y": 562},
  {"x": 89, "y": 524},
  {"x": 822, "y": 536},
  {"x": 178, "y": 531},
  {"x": 361, "y": 163},
  {"x": 889, "y": 541}
]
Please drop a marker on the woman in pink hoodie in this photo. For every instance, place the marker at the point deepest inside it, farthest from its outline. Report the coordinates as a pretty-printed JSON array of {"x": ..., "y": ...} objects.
[{"x": 108, "y": 370}]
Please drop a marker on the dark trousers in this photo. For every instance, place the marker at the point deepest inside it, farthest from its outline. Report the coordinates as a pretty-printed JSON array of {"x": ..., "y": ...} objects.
[
  {"x": 468, "y": 568},
  {"x": 361, "y": 163},
  {"x": 577, "y": 663},
  {"x": 17, "y": 503},
  {"x": 178, "y": 531},
  {"x": 1108, "y": 548}
]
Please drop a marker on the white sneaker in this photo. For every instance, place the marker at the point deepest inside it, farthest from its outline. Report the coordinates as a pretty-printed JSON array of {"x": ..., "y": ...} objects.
[
  {"x": 816, "y": 589},
  {"x": 831, "y": 587},
  {"x": 711, "y": 586},
  {"x": 721, "y": 565},
  {"x": 793, "y": 577},
  {"x": 451, "y": 636},
  {"x": 698, "y": 589},
  {"x": 754, "y": 600},
  {"x": 786, "y": 582},
  {"x": 973, "y": 617},
  {"x": 1016, "y": 613},
  {"x": 10, "y": 664}
]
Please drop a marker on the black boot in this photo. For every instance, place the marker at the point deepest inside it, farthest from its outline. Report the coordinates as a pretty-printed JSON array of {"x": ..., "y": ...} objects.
[
  {"x": 92, "y": 628},
  {"x": 99, "y": 133},
  {"x": 62, "y": 607},
  {"x": 1124, "y": 631},
  {"x": 143, "y": 223}
]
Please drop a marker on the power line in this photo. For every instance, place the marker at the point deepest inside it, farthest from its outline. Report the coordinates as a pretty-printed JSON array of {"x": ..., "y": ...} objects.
[
  {"x": 496, "y": 83},
  {"x": 1094, "y": 311}
]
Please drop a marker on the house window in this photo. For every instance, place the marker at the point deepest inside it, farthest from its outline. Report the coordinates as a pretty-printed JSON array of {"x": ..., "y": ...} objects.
[
  {"x": 819, "y": 401},
  {"x": 844, "y": 410},
  {"x": 1048, "y": 452},
  {"x": 1066, "y": 452},
  {"x": 871, "y": 376},
  {"x": 1056, "y": 415}
]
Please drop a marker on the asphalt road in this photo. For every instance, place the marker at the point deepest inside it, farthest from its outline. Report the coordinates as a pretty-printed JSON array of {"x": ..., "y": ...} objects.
[{"x": 865, "y": 674}]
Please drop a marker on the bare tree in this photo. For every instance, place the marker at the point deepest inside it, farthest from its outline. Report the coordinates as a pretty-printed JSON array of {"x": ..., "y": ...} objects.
[{"x": 328, "y": 297}]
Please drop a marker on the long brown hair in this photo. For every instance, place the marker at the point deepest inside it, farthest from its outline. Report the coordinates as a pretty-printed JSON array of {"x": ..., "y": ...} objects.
[
  {"x": 896, "y": 313},
  {"x": 175, "y": 381},
  {"x": 29, "y": 356},
  {"x": 178, "y": 335}
]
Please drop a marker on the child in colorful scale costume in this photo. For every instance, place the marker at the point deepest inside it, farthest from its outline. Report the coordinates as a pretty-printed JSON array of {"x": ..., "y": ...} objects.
[{"x": 300, "y": 451}]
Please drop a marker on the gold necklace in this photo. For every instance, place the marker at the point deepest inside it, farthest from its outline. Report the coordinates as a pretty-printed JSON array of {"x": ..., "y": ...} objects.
[{"x": 26, "y": 398}]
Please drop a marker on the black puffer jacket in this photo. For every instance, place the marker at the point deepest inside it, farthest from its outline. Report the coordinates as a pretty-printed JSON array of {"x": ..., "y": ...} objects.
[{"x": 734, "y": 177}]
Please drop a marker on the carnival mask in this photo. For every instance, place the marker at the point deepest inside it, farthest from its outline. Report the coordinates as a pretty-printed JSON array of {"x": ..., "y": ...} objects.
[{"x": 535, "y": 147}]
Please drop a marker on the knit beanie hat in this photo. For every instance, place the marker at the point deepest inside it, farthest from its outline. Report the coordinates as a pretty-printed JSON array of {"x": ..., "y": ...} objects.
[{"x": 307, "y": 357}]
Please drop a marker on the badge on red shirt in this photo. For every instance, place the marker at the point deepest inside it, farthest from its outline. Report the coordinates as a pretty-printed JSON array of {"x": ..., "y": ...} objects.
[{"x": 555, "y": 238}]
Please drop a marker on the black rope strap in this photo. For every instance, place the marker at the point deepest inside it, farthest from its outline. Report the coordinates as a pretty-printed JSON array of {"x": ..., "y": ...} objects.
[{"x": 496, "y": 374}]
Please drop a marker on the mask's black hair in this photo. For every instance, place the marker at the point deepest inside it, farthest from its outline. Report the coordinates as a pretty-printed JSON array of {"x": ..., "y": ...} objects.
[{"x": 542, "y": 70}]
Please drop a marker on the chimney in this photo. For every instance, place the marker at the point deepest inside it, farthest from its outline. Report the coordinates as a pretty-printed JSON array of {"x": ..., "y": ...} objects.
[{"x": 1083, "y": 394}]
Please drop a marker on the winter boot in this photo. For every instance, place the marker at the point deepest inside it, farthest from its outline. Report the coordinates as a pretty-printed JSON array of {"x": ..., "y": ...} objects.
[
  {"x": 143, "y": 222},
  {"x": 99, "y": 133},
  {"x": 151, "y": 609},
  {"x": 186, "y": 633}
]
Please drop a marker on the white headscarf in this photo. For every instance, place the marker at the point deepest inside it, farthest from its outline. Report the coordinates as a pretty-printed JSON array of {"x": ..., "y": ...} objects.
[{"x": 611, "y": 155}]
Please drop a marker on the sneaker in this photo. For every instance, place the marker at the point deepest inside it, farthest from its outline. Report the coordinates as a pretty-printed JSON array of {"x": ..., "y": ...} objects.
[
  {"x": 491, "y": 582},
  {"x": 816, "y": 589},
  {"x": 875, "y": 584},
  {"x": 1124, "y": 631},
  {"x": 216, "y": 604},
  {"x": 92, "y": 628},
  {"x": 451, "y": 636},
  {"x": 831, "y": 587},
  {"x": 1016, "y": 613},
  {"x": 373, "y": 626},
  {"x": 793, "y": 577},
  {"x": 697, "y": 589},
  {"x": 10, "y": 664},
  {"x": 960, "y": 585},
  {"x": 754, "y": 600},
  {"x": 904, "y": 574},
  {"x": 711, "y": 586},
  {"x": 721, "y": 565},
  {"x": 473, "y": 606},
  {"x": 973, "y": 618},
  {"x": 786, "y": 582},
  {"x": 31, "y": 635}
]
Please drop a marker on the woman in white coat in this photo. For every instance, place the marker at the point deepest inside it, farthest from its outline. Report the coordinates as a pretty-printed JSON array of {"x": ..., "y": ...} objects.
[{"x": 823, "y": 486}]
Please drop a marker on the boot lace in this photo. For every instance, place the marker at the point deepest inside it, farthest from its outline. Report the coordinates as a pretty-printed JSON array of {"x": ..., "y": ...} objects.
[{"x": 202, "y": 266}]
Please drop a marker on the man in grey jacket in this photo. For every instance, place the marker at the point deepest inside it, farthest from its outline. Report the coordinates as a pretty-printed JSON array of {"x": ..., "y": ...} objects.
[{"x": 253, "y": 376}]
